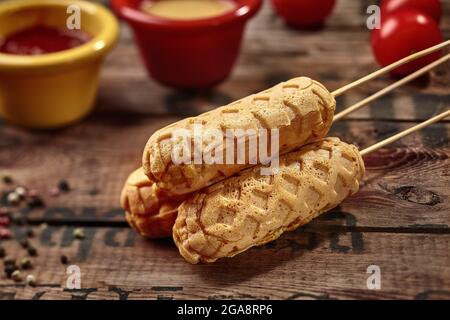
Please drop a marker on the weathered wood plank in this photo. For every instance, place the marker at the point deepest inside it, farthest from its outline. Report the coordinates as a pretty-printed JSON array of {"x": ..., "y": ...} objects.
[
  {"x": 406, "y": 186},
  {"x": 300, "y": 265}
]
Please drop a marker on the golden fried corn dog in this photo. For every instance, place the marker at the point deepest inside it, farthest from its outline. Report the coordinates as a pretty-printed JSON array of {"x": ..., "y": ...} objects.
[
  {"x": 248, "y": 210},
  {"x": 301, "y": 109},
  {"x": 147, "y": 209}
]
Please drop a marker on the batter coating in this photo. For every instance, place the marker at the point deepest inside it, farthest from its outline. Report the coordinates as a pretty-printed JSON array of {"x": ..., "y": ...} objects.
[
  {"x": 147, "y": 209},
  {"x": 249, "y": 209},
  {"x": 302, "y": 109}
]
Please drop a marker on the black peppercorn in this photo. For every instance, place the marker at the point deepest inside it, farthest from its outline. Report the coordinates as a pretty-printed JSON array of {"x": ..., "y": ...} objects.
[
  {"x": 9, "y": 261},
  {"x": 32, "y": 251},
  {"x": 94, "y": 192},
  {"x": 9, "y": 269},
  {"x": 10, "y": 266},
  {"x": 35, "y": 202},
  {"x": 64, "y": 259},
  {"x": 24, "y": 243},
  {"x": 7, "y": 180},
  {"x": 29, "y": 233},
  {"x": 63, "y": 186}
]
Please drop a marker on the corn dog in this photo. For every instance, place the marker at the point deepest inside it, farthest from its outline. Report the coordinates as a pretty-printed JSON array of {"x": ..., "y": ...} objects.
[
  {"x": 301, "y": 109},
  {"x": 147, "y": 209},
  {"x": 248, "y": 210}
]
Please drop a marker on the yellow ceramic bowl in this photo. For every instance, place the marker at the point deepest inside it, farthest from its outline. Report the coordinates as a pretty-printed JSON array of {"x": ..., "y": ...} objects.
[{"x": 55, "y": 89}]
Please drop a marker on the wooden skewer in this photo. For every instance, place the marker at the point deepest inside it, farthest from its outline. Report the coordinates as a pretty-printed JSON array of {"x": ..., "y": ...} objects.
[
  {"x": 390, "y": 67},
  {"x": 391, "y": 87},
  {"x": 404, "y": 133}
]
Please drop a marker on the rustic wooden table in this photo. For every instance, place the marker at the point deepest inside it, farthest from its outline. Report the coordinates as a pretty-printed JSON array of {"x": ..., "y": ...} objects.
[{"x": 398, "y": 221}]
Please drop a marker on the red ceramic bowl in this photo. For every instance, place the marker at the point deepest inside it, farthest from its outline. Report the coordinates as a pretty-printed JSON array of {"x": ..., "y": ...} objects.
[
  {"x": 189, "y": 54},
  {"x": 304, "y": 14}
]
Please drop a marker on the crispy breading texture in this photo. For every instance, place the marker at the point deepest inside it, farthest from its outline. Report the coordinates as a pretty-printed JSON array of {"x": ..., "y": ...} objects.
[
  {"x": 249, "y": 209},
  {"x": 301, "y": 109},
  {"x": 147, "y": 209}
]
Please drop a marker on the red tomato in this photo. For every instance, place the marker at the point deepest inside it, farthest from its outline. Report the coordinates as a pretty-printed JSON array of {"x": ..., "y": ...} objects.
[
  {"x": 431, "y": 7},
  {"x": 403, "y": 33},
  {"x": 304, "y": 13}
]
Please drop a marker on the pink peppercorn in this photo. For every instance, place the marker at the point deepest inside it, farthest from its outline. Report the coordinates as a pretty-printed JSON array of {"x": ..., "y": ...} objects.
[
  {"x": 33, "y": 193},
  {"x": 54, "y": 192},
  {"x": 4, "y": 221},
  {"x": 5, "y": 233}
]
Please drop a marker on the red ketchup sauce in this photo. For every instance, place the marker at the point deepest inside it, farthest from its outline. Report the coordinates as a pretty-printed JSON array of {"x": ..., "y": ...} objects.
[{"x": 41, "y": 39}]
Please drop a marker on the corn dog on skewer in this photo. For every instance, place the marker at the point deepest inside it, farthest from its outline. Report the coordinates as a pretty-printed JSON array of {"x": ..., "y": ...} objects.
[
  {"x": 250, "y": 210},
  {"x": 147, "y": 209},
  {"x": 302, "y": 109}
]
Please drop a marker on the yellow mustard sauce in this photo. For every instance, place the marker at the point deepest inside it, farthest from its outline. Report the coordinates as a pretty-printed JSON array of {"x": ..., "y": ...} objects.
[{"x": 188, "y": 9}]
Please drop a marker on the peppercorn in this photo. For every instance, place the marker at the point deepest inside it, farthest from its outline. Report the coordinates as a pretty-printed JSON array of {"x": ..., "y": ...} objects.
[
  {"x": 9, "y": 269},
  {"x": 5, "y": 233},
  {"x": 32, "y": 251},
  {"x": 35, "y": 202},
  {"x": 13, "y": 198},
  {"x": 54, "y": 192},
  {"x": 9, "y": 261},
  {"x": 26, "y": 263},
  {"x": 24, "y": 243},
  {"x": 2, "y": 252},
  {"x": 64, "y": 259},
  {"x": 33, "y": 193},
  {"x": 7, "y": 180},
  {"x": 94, "y": 192},
  {"x": 4, "y": 221},
  {"x": 16, "y": 276},
  {"x": 79, "y": 233},
  {"x": 63, "y": 186},
  {"x": 31, "y": 280},
  {"x": 21, "y": 192},
  {"x": 29, "y": 233},
  {"x": 9, "y": 266}
]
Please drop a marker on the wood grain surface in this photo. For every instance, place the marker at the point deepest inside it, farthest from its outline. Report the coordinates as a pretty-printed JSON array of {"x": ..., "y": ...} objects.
[{"x": 399, "y": 220}]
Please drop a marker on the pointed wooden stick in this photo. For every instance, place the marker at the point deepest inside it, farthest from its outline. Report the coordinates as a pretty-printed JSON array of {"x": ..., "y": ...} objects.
[
  {"x": 404, "y": 133},
  {"x": 390, "y": 67},
  {"x": 391, "y": 87}
]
